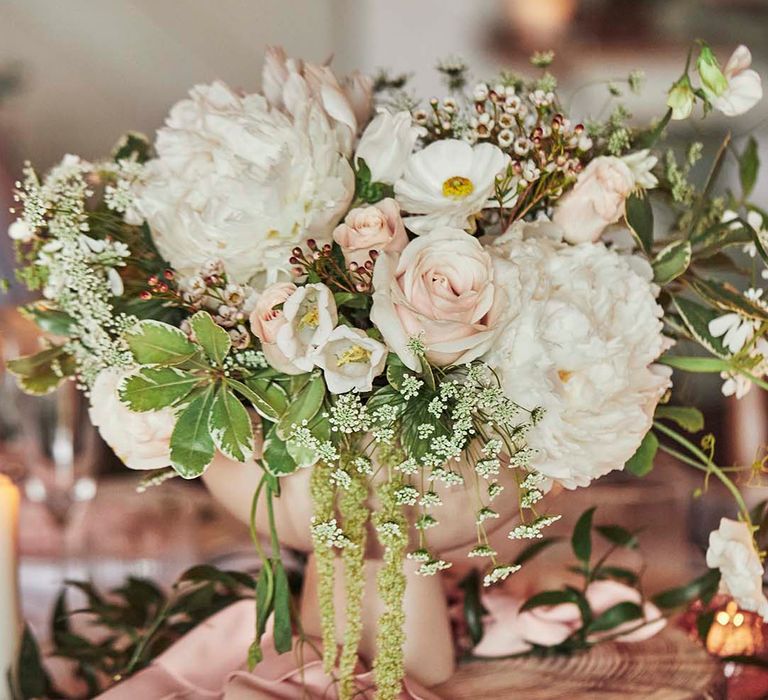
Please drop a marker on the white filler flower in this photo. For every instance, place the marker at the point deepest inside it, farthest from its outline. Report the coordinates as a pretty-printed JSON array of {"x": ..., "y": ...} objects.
[
  {"x": 243, "y": 181},
  {"x": 732, "y": 550},
  {"x": 582, "y": 334},
  {"x": 447, "y": 183}
]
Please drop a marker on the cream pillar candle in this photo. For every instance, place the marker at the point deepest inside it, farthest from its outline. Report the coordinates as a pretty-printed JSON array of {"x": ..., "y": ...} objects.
[{"x": 9, "y": 595}]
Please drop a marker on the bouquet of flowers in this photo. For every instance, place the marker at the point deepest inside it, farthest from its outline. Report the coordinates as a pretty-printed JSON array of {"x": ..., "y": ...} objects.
[{"x": 404, "y": 298}]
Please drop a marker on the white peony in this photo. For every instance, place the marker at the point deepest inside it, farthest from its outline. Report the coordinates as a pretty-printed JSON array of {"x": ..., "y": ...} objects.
[
  {"x": 350, "y": 360},
  {"x": 386, "y": 145},
  {"x": 448, "y": 183},
  {"x": 140, "y": 440},
  {"x": 732, "y": 551},
  {"x": 243, "y": 181},
  {"x": 582, "y": 332}
]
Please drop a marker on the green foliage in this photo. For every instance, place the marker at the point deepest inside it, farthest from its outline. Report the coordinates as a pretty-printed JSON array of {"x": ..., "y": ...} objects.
[
  {"x": 49, "y": 319},
  {"x": 749, "y": 166},
  {"x": 214, "y": 340},
  {"x": 156, "y": 343},
  {"x": 688, "y": 418},
  {"x": 701, "y": 588},
  {"x": 639, "y": 217},
  {"x": 192, "y": 447},
  {"x": 671, "y": 262},
  {"x": 725, "y": 297},
  {"x": 581, "y": 540},
  {"x": 153, "y": 388},
  {"x": 29, "y": 679},
  {"x": 230, "y": 425},
  {"x": 696, "y": 319},
  {"x": 641, "y": 463},
  {"x": 473, "y": 608},
  {"x": 303, "y": 407},
  {"x": 42, "y": 372},
  {"x": 535, "y": 548},
  {"x": 365, "y": 189},
  {"x": 616, "y": 615},
  {"x": 618, "y": 535}
]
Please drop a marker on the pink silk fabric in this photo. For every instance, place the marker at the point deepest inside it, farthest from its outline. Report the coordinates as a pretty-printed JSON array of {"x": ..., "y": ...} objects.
[{"x": 209, "y": 663}]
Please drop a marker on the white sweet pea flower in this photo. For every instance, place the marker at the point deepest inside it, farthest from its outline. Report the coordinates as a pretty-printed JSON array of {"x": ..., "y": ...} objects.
[
  {"x": 350, "y": 360},
  {"x": 736, "y": 330},
  {"x": 732, "y": 551},
  {"x": 743, "y": 88},
  {"x": 640, "y": 164},
  {"x": 447, "y": 183},
  {"x": 386, "y": 145},
  {"x": 309, "y": 317}
]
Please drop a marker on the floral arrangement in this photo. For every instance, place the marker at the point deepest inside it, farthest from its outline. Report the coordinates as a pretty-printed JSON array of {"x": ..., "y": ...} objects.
[{"x": 404, "y": 298}]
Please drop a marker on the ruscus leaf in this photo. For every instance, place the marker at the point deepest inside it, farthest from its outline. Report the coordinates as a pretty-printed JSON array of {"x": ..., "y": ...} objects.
[
  {"x": 639, "y": 217},
  {"x": 581, "y": 540},
  {"x": 641, "y": 463},
  {"x": 688, "y": 418}
]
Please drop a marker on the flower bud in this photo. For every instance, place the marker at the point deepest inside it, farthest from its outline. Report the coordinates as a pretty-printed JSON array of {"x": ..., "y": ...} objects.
[
  {"x": 712, "y": 79},
  {"x": 681, "y": 98}
]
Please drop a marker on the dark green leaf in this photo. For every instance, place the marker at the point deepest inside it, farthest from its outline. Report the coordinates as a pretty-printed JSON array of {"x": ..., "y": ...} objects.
[
  {"x": 230, "y": 426},
  {"x": 214, "y": 340},
  {"x": 304, "y": 406},
  {"x": 617, "y": 572},
  {"x": 548, "y": 598},
  {"x": 749, "y": 166},
  {"x": 696, "y": 319},
  {"x": 283, "y": 632},
  {"x": 704, "y": 622},
  {"x": 618, "y": 535},
  {"x": 264, "y": 606},
  {"x": 688, "y": 418},
  {"x": 278, "y": 460},
  {"x": 581, "y": 540},
  {"x": 50, "y": 320},
  {"x": 192, "y": 446},
  {"x": 641, "y": 463},
  {"x": 473, "y": 606},
  {"x": 615, "y": 615},
  {"x": 703, "y": 587},
  {"x": 156, "y": 343},
  {"x": 31, "y": 677},
  {"x": 153, "y": 388},
  {"x": 671, "y": 262},
  {"x": 535, "y": 548},
  {"x": 639, "y": 217},
  {"x": 726, "y": 297},
  {"x": 267, "y": 397}
]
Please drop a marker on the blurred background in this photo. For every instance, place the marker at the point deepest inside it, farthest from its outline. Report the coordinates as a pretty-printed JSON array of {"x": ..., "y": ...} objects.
[{"x": 75, "y": 75}]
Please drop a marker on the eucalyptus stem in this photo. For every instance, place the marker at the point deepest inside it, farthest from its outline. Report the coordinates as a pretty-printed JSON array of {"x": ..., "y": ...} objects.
[{"x": 712, "y": 468}]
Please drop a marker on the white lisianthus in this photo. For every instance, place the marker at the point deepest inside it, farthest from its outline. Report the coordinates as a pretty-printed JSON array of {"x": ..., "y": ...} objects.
[
  {"x": 582, "y": 332},
  {"x": 348, "y": 104},
  {"x": 309, "y": 315},
  {"x": 350, "y": 360},
  {"x": 742, "y": 88},
  {"x": 732, "y": 551},
  {"x": 140, "y": 440},
  {"x": 386, "y": 145},
  {"x": 243, "y": 181},
  {"x": 449, "y": 182}
]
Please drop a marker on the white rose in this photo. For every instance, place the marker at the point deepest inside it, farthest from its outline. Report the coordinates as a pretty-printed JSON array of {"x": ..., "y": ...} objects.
[
  {"x": 350, "y": 360},
  {"x": 310, "y": 315},
  {"x": 386, "y": 145},
  {"x": 732, "y": 551},
  {"x": 140, "y": 440}
]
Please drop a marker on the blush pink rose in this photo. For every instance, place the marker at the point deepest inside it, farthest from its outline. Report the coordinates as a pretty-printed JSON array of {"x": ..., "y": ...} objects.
[
  {"x": 266, "y": 322},
  {"x": 440, "y": 289},
  {"x": 377, "y": 227},
  {"x": 596, "y": 200}
]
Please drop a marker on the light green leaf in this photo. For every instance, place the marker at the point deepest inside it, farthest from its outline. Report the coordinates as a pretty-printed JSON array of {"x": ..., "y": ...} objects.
[
  {"x": 749, "y": 166},
  {"x": 42, "y": 372},
  {"x": 639, "y": 217},
  {"x": 688, "y": 418},
  {"x": 721, "y": 235},
  {"x": 50, "y": 320},
  {"x": 641, "y": 463},
  {"x": 156, "y": 343},
  {"x": 278, "y": 459},
  {"x": 274, "y": 399},
  {"x": 696, "y": 319},
  {"x": 671, "y": 262},
  {"x": 230, "y": 426},
  {"x": 263, "y": 407},
  {"x": 153, "y": 388},
  {"x": 214, "y": 340},
  {"x": 703, "y": 365},
  {"x": 192, "y": 447},
  {"x": 581, "y": 540},
  {"x": 304, "y": 406}
]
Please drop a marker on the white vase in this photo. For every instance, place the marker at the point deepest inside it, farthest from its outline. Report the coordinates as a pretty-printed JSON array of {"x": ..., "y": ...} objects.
[{"x": 429, "y": 651}]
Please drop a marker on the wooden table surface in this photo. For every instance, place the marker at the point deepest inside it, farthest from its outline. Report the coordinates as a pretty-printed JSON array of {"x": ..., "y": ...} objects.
[{"x": 666, "y": 667}]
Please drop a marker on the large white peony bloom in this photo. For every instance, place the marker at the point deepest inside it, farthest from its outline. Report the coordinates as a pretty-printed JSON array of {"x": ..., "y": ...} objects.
[
  {"x": 448, "y": 182},
  {"x": 243, "y": 181},
  {"x": 582, "y": 334},
  {"x": 140, "y": 440}
]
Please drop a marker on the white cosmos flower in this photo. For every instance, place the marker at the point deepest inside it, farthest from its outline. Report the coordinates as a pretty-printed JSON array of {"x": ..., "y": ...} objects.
[
  {"x": 582, "y": 333},
  {"x": 350, "y": 360},
  {"x": 732, "y": 551},
  {"x": 239, "y": 180},
  {"x": 744, "y": 88},
  {"x": 447, "y": 183}
]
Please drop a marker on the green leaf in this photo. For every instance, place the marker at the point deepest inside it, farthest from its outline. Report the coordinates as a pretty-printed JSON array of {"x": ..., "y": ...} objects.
[
  {"x": 280, "y": 460},
  {"x": 671, "y": 262},
  {"x": 303, "y": 407},
  {"x": 31, "y": 677},
  {"x": 264, "y": 607},
  {"x": 700, "y": 365},
  {"x": 153, "y": 388},
  {"x": 283, "y": 632},
  {"x": 535, "y": 548},
  {"x": 42, "y": 372},
  {"x": 396, "y": 371},
  {"x": 581, "y": 540},
  {"x": 192, "y": 447},
  {"x": 214, "y": 340},
  {"x": 641, "y": 463},
  {"x": 639, "y": 217},
  {"x": 714, "y": 239},
  {"x": 704, "y": 622},
  {"x": 688, "y": 418},
  {"x": 266, "y": 396},
  {"x": 618, "y": 535},
  {"x": 473, "y": 606},
  {"x": 230, "y": 426},
  {"x": 352, "y": 300},
  {"x": 703, "y": 587},
  {"x": 616, "y": 615},
  {"x": 649, "y": 138},
  {"x": 696, "y": 319},
  {"x": 728, "y": 298},
  {"x": 50, "y": 320},
  {"x": 629, "y": 577},
  {"x": 749, "y": 166},
  {"x": 156, "y": 343},
  {"x": 548, "y": 598}
]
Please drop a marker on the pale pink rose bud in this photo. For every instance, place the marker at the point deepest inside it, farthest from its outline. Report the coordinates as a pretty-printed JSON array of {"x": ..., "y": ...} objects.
[
  {"x": 266, "y": 322},
  {"x": 377, "y": 227}
]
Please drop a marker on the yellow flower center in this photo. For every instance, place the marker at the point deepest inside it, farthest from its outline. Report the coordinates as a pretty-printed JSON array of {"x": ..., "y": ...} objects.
[
  {"x": 354, "y": 353},
  {"x": 457, "y": 187},
  {"x": 311, "y": 318},
  {"x": 564, "y": 375}
]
